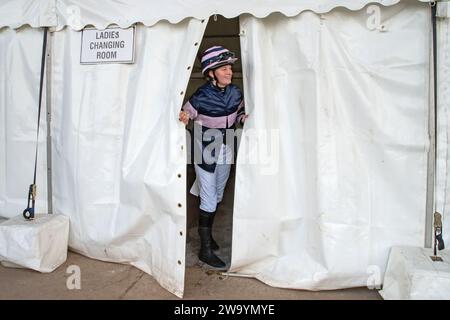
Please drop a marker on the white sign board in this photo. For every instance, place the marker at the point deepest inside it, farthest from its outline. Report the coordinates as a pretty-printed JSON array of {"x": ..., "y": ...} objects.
[{"x": 112, "y": 45}]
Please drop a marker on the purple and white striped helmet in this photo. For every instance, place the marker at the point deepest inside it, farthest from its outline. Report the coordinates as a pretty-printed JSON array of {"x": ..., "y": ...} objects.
[{"x": 215, "y": 57}]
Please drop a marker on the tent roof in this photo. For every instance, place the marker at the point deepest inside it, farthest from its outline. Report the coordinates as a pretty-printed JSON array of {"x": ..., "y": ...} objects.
[
  {"x": 79, "y": 13},
  {"x": 36, "y": 13}
]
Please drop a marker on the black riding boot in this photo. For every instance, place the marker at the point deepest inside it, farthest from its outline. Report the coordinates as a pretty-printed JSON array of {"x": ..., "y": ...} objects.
[
  {"x": 214, "y": 244},
  {"x": 206, "y": 250},
  {"x": 207, "y": 219}
]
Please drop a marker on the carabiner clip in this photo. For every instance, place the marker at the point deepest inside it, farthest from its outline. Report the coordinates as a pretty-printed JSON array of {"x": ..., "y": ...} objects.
[{"x": 28, "y": 213}]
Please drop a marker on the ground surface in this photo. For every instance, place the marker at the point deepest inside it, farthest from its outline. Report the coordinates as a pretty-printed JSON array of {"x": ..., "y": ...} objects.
[{"x": 103, "y": 280}]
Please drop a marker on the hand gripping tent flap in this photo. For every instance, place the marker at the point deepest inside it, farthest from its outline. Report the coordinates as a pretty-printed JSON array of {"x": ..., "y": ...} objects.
[{"x": 347, "y": 87}]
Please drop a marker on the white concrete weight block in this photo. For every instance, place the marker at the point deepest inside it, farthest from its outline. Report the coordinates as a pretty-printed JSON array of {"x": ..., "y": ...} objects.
[{"x": 39, "y": 244}]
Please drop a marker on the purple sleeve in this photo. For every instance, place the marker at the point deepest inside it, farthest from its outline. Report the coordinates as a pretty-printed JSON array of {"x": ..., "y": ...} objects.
[{"x": 190, "y": 110}]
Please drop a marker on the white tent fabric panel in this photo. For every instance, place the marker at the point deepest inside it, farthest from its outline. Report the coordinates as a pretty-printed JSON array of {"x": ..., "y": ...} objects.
[
  {"x": 118, "y": 150},
  {"x": 20, "y": 62},
  {"x": 36, "y": 13},
  {"x": 442, "y": 199},
  {"x": 77, "y": 14},
  {"x": 347, "y": 179},
  {"x": 443, "y": 10}
]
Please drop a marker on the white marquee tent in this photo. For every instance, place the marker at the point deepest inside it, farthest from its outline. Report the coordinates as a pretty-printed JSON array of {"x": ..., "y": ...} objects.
[{"x": 348, "y": 92}]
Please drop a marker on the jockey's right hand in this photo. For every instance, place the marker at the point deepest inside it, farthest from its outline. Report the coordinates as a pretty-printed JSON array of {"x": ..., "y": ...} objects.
[{"x": 184, "y": 117}]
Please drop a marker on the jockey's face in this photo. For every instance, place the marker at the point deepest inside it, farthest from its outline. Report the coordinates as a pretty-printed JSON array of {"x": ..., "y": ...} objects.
[{"x": 223, "y": 74}]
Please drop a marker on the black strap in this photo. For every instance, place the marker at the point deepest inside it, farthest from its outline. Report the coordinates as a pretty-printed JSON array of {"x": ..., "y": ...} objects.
[
  {"x": 28, "y": 213},
  {"x": 41, "y": 85},
  {"x": 438, "y": 237},
  {"x": 435, "y": 84}
]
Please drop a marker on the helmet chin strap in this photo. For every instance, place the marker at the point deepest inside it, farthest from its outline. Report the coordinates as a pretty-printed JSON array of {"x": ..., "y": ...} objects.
[
  {"x": 216, "y": 81},
  {"x": 214, "y": 76}
]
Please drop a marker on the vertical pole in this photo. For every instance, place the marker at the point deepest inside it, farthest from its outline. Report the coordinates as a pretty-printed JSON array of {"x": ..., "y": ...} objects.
[
  {"x": 432, "y": 157},
  {"x": 49, "y": 113}
]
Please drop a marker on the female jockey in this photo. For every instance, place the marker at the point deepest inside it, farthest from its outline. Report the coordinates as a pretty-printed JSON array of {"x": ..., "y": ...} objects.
[{"x": 215, "y": 108}]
